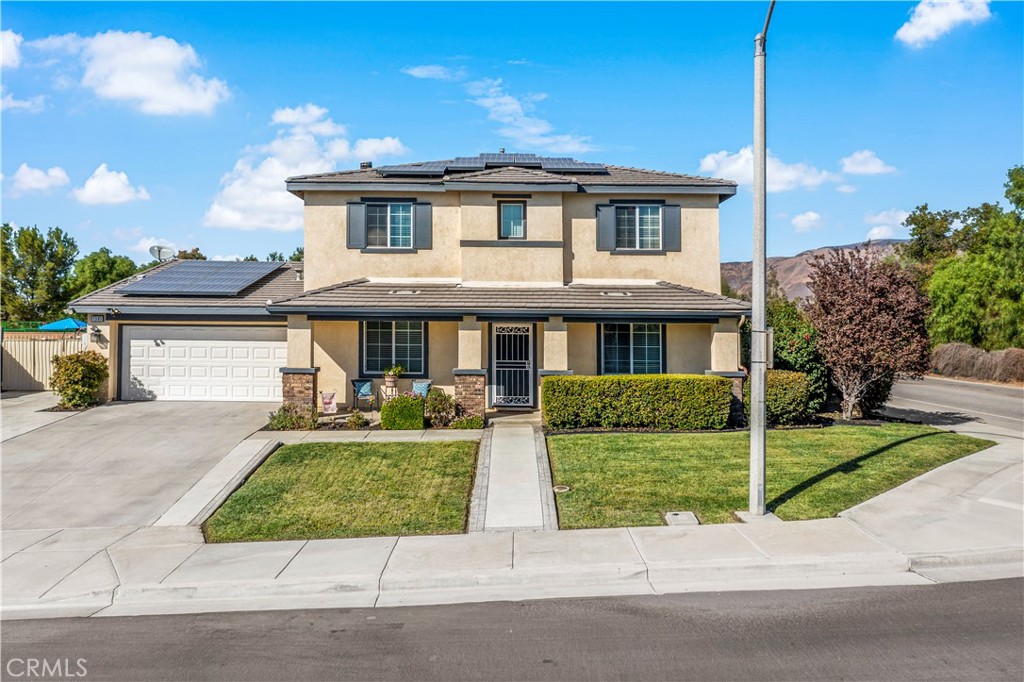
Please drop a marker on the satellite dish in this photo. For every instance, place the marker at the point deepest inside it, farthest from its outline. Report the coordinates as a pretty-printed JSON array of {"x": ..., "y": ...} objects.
[{"x": 161, "y": 253}]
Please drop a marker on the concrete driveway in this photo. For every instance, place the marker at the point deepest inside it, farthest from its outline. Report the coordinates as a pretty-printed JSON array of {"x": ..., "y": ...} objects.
[{"x": 122, "y": 464}]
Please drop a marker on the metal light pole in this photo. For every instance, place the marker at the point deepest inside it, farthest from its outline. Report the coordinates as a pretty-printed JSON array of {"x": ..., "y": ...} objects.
[{"x": 759, "y": 335}]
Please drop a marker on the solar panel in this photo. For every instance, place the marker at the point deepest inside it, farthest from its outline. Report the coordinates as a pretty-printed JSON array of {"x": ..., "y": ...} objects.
[
  {"x": 425, "y": 168},
  {"x": 483, "y": 161},
  {"x": 201, "y": 278},
  {"x": 567, "y": 164}
]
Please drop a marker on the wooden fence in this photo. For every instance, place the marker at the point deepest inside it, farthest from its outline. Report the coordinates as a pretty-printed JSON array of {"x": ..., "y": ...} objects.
[{"x": 28, "y": 358}]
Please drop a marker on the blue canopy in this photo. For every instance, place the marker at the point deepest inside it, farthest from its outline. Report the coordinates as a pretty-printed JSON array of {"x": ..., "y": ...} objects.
[{"x": 68, "y": 324}]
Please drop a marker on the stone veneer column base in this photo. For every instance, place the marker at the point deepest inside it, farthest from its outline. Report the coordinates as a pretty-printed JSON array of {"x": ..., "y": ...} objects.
[
  {"x": 299, "y": 385},
  {"x": 737, "y": 415},
  {"x": 471, "y": 390}
]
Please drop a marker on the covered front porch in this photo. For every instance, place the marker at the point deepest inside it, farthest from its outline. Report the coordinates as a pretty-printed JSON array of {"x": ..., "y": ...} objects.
[{"x": 492, "y": 347}]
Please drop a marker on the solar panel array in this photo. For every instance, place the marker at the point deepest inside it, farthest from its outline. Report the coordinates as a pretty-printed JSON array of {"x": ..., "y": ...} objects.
[
  {"x": 484, "y": 161},
  {"x": 201, "y": 278}
]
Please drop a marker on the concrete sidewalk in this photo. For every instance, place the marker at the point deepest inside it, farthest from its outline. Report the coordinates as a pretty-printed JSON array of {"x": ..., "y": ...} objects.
[{"x": 962, "y": 521}]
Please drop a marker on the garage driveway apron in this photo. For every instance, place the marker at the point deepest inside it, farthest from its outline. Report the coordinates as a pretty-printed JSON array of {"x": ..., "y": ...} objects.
[{"x": 121, "y": 464}]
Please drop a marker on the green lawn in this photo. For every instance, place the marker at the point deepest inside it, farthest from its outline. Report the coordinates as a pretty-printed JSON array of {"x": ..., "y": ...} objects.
[
  {"x": 630, "y": 479},
  {"x": 344, "y": 490}
]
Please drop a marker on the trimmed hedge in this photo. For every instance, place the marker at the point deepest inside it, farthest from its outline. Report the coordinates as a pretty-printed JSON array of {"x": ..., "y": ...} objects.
[
  {"x": 685, "y": 402},
  {"x": 77, "y": 378},
  {"x": 402, "y": 413},
  {"x": 787, "y": 397},
  {"x": 961, "y": 360}
]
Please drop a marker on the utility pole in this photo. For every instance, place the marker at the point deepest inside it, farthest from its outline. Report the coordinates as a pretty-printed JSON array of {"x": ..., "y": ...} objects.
[{"x": 759, "y": 331}]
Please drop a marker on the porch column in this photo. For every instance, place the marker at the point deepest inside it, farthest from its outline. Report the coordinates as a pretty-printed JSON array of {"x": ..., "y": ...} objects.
[
  {"x": 556, "y": 346},
  {"x": 725, "y": 345},
  {"x": 299, "y": 378},
  {"x": 471, "y": 375}
]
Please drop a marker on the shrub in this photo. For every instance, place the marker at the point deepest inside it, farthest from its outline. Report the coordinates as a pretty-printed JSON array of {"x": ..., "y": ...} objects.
[
  {"x": 78, "y": 377},
  {"x": 440, "y": 407},
  {"x": 356, "y": 420},
  {"x": 470, "y": 421},
  {"x": 787, "y": 397},
  {"x": 876, "y": 395},
  {"x": 1011, "y": 365},
  {"x": 986, "y": 367},
  {"x": 403, "y": 412},
  {"x": 292, "y": 417},
  {"x": 655, "y": 401},
  {"x": 955, "y": 359}
]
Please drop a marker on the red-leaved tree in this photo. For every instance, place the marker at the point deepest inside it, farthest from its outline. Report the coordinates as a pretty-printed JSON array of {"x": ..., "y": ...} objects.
[{"x": 870, "y": 318}]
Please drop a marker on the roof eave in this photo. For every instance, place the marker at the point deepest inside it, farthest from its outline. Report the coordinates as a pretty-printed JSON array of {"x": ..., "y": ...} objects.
[
  {"x": 571, "y": 313},
  {"x": 724, "y": 191}
]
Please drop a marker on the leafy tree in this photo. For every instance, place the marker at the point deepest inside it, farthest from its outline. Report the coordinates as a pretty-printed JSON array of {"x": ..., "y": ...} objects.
[
  {"x": 298, "y": 254},
  {"x": 35, "y": 284},
  {"x": 930, "y": 235},
  {"x": 978, "y": 296},
  {"x": 870, "y": 323},
  {"x": 727, "y": 289},
  {"x": 275, "y": 256},
  {"x": 250, "y": 257},
  {"x": 794, "y": 347},
  {"x": 194, "y": 254},
  {"x": 98, "y": 269}
]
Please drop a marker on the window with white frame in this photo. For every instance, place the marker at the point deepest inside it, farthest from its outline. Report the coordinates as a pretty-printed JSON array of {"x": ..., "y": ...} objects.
[
  {"x": 513, "y": 219},
  {"x": 389, "y": 226},
  {"x": 638, "y": 227},
  {"x": 631, "y": 349},
  {"x": 386, "y": 344}
]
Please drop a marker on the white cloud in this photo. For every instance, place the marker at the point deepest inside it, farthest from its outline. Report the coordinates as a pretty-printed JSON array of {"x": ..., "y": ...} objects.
[
  {"x": 435, "y": 72},
  {"x": 807, "y": 221},
  {"x": 253, "y": 194},
  {"x": 27, "y": 179},
  {"x": 846, "y": 189},
  {"x": 865, "y": 162},
  {"x": 232, "y": 257},
  {"x": 155, "y": 74},
  {"x": 932, "y": 19},
  {"x": 146, "y": 243},
  {"x": 105, "y": 186},
  {"x": 10, "y": 49},
  {"x": 528, "y": 132},
  {"x": 31, "y": 105},
  {"x": 885, "y": 224},
  {"x": 781, "y": 176}
]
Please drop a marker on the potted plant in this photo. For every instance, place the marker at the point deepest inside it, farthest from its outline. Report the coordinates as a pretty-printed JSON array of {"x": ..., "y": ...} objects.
[{"x": 391, "y": 375}]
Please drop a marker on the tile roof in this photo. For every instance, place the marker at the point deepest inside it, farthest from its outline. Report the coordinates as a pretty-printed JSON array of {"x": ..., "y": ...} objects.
[
  {"x": 281, "y": 283},
  {"x": 376, "y": 297},
  {"x": 611, "y": 175}
]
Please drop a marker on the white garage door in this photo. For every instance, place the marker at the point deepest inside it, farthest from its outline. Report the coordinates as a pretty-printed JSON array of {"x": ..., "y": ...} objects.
[{"x": 202, "y": 363}]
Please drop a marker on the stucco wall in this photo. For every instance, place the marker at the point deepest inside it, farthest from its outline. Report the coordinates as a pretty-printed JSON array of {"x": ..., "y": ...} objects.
[
  {"x": 583, "y": 348},
  {"x": 328, "y": 260},
  {"x": 695, "y": 266},
  {"x": 687, "y": 348}
]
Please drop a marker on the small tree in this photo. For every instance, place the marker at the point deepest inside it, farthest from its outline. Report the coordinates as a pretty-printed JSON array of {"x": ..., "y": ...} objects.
[{"x": 870, "y": 319}]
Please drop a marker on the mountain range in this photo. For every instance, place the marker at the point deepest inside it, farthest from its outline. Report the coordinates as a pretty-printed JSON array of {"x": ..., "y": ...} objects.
[{"x": 794, "y": 271}]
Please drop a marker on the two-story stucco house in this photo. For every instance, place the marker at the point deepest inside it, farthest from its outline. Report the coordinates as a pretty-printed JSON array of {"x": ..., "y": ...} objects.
[{"x": 483, "y": 274}]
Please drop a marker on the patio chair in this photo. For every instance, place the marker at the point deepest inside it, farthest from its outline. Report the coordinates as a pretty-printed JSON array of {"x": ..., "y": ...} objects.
[
  {"x": 362, "y": 389},
  {"x": 420, "y": 387}
]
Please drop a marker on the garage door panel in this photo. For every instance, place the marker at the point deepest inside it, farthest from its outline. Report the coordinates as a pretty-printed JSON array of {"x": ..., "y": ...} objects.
[{"x": 203, "y": 363}]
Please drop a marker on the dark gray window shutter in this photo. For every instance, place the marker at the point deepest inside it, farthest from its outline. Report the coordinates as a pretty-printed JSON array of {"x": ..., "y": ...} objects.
[
  {"x": 423, "y": 226},
  {"x": 605, "y": 227},
  {"x": 671, "y": 237},
  {"x": 357, "y": 226}
]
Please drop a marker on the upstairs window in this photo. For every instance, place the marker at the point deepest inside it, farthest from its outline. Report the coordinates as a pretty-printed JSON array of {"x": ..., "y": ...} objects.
[
  {"x": 638, "y": 227},
  {"x": 512, "y": 219},
  {"x": 389, "y": 226},
  {"x": 631, "y": 348},
  {"x": 393, "y": 343}
]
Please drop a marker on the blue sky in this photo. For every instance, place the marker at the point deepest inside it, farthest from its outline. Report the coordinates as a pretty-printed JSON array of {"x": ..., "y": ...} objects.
[{"x": 129, "y": 124}]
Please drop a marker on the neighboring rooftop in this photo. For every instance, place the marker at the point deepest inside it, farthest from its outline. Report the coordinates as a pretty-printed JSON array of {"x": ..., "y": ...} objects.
[
  {"x": 558, "y": 173},
  {"x": 197, "y": 285},
  {"x": 573, "y": 301}
]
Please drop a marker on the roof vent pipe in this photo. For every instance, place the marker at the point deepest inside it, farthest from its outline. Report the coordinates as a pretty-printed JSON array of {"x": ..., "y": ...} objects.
[{"x": 365, "y": 165}]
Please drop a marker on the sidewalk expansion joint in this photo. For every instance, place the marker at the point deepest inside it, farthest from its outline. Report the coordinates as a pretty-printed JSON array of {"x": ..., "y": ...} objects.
[{"x": 288, "y": 563}]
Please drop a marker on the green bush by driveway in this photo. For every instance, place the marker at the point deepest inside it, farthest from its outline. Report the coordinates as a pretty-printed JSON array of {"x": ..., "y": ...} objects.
[
  {"x": 630, "y": 479},
  {"x": 682, "y": 402},
  {"x": 341, "y": 490}
]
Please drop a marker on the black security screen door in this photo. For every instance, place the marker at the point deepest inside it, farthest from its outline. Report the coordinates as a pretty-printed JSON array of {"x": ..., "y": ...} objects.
[{"x": 513, "y": 365}]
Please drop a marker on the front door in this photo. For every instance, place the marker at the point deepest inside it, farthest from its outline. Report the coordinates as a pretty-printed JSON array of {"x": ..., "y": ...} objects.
[{"x": 512, "y": 365}]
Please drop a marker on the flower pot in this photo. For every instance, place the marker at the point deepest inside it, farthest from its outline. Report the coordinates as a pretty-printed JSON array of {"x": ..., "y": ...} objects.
[{"x": 390, "y": 381}]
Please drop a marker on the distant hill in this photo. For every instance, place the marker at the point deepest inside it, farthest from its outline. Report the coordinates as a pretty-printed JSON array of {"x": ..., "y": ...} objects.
[{"x": 793, "y": 271}]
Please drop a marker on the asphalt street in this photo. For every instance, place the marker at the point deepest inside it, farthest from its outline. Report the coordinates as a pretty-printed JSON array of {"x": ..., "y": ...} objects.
[
  {"x": 957, "y": 631},
  {"x": 948, "y": 401}
]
